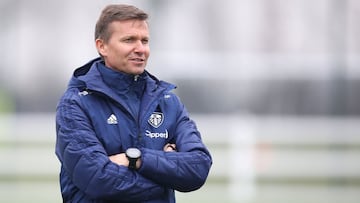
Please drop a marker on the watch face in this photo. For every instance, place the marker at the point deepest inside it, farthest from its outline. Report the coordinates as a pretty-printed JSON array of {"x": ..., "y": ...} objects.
[{"x": 133, "y": 153}]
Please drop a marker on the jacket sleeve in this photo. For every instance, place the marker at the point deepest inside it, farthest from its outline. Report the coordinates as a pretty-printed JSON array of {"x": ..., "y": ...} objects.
[
  {"x": 87, "y": 164},
  {"x": 185, "y": 170}
]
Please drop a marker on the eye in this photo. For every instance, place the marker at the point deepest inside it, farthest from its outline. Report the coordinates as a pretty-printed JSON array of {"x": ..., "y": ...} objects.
[
  {"x": 128, "y": 40},
  {"x": 145, "y": 41}
]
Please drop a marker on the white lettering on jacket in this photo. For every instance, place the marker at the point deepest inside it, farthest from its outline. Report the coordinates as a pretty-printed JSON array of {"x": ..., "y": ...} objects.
[{"x": 164, "y": 135}]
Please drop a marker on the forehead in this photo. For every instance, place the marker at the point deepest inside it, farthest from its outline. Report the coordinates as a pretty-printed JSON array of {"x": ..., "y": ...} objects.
[{"x": 129, "y": 27}]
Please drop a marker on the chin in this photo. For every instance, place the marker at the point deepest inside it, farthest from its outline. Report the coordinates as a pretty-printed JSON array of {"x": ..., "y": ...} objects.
[{"x": 138, "y": 71}]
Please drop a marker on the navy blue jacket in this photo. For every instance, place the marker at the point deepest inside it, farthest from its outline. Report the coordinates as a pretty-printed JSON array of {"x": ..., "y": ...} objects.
[{"x": 93, "y": 121}]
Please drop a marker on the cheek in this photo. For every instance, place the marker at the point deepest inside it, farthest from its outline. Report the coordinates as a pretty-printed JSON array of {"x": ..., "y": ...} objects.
[
  {"x": 147, "y": 52},
  {"x": 119, "y": 53}
]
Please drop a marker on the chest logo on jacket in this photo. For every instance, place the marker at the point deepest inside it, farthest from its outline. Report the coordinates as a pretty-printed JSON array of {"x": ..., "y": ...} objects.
[
  {"x": 112, "y": 120},
  {"x": 156, "y": 119}
]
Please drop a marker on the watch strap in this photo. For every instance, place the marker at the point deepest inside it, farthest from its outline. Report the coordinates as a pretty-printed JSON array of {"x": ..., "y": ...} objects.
[{"x": 132, "y": 163}]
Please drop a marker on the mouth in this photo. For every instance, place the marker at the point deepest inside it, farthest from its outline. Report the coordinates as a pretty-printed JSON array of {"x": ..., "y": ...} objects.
[{"x": 137, "y": 60}]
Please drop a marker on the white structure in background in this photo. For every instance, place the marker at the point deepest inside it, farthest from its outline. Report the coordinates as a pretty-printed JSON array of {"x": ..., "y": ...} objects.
[{"x": 241, "y": 159}]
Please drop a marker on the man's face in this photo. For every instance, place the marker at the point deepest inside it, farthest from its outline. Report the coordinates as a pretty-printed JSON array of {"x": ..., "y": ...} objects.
[{"x": 128, "y": 49}]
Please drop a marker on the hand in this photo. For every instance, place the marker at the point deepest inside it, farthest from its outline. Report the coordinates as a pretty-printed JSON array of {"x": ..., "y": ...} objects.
[
  {"x": 170, "y": 147},
  {"x": 120, "y": 159}
]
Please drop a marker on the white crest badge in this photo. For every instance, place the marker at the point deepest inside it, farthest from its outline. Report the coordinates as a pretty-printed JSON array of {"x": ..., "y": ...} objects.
[{"x": 156, "y": 119}]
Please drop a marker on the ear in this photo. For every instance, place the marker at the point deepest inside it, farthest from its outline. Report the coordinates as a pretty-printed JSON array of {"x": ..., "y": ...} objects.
[{"x": 101, "y": 47}]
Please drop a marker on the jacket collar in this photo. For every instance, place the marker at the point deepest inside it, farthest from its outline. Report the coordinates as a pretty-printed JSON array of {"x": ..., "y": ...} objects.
[
  {"x": 121, "y": 83},
  {"x": 88, "y": 77}
]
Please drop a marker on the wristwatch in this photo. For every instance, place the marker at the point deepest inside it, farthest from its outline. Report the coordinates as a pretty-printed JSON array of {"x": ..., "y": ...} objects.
[{"x": 133, "y": 154}]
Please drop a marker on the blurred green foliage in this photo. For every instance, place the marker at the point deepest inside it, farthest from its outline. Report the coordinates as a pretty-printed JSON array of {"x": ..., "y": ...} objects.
[{"x": 7, "y": 103}]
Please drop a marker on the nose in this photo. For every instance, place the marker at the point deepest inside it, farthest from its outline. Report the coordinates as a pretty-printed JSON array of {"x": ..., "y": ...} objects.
[{"x": 140, "y": 47}]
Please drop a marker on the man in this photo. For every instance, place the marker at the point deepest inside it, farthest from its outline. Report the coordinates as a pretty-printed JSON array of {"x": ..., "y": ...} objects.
[{"x": 122, "y": 135}]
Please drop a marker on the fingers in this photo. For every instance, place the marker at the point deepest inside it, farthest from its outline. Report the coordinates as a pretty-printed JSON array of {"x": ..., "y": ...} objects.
[{"x": 170, "y": 147}]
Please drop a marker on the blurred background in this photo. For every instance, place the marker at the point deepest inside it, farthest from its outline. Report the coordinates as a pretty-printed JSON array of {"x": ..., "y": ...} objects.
[{"x": 272, "y": 84}]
